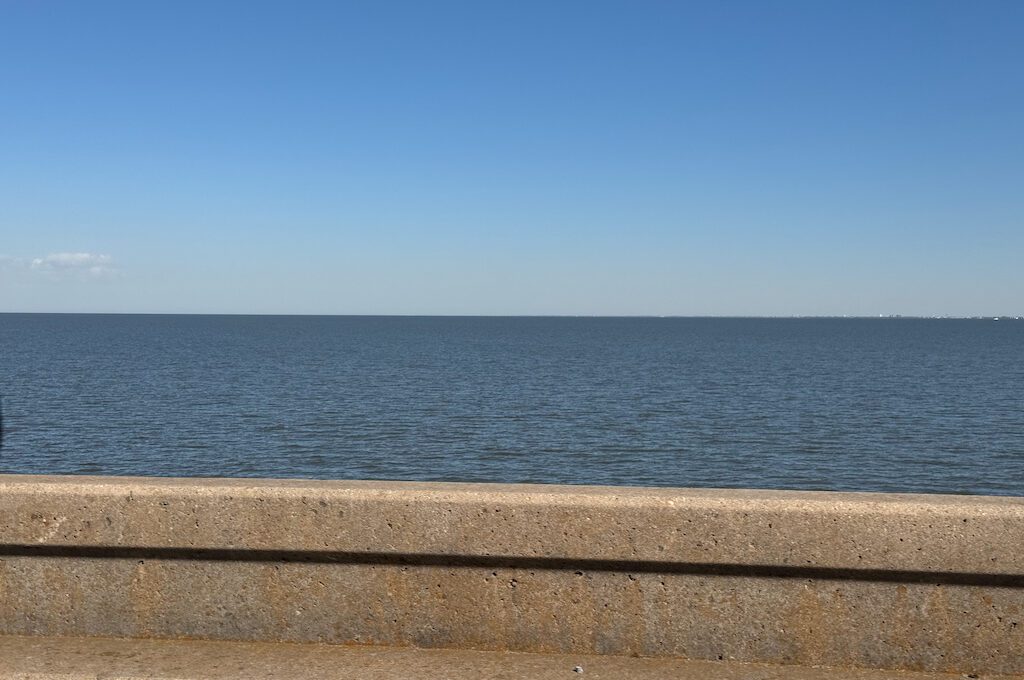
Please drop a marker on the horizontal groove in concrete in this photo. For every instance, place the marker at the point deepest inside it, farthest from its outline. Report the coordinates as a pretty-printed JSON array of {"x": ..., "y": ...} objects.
[
  {"x": 505, "y": 562},
  {"x": 42, "y": 658}
]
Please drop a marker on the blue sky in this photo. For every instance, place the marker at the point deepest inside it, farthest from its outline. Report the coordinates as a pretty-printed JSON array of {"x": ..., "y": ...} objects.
[{"x": 719, "y": 158}]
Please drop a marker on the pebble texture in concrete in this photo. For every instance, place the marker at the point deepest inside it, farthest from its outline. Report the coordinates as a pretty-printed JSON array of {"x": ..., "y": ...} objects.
[
  {"x": 926, "y": 583},
  {"x": 23, "y": 658}
]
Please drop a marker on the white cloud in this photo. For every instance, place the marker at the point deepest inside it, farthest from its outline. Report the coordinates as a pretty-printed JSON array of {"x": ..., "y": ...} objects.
[{"x": 78, "y": 265}]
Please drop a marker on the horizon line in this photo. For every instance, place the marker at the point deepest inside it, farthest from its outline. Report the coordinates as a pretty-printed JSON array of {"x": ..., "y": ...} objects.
[{"x": 1014, "y": 317}]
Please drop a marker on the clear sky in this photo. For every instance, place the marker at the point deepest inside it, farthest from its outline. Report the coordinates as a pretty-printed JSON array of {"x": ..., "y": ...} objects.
[{"x": 555, "y": 157}]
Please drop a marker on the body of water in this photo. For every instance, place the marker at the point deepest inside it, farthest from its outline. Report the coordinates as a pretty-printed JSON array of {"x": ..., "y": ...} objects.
[{"x": 845, "y": 404}]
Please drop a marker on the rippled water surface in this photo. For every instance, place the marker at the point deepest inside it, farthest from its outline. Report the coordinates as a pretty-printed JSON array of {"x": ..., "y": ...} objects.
[{"x": 864, "y": 404}]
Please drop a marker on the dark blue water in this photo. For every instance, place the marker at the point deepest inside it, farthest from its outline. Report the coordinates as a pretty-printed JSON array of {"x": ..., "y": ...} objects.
[{"x": 858, "y": 404}]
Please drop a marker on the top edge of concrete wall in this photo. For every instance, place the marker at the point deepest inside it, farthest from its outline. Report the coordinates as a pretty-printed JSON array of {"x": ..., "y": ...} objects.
[
  {"x": 520, "y": 493},
  {"x": 643, "y": 526}
]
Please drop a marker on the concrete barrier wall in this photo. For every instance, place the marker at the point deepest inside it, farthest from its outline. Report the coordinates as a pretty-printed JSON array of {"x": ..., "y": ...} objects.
[{"x": 870, "y": 580}]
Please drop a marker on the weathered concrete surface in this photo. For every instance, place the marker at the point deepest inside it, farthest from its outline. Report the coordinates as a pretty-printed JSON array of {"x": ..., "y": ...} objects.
[
  {"x": 38, "y": 658},
  {"x": 933, "y": 583}
]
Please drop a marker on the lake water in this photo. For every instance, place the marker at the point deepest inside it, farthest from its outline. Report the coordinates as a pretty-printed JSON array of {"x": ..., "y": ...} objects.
[{"x": 845, "y": 404}]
